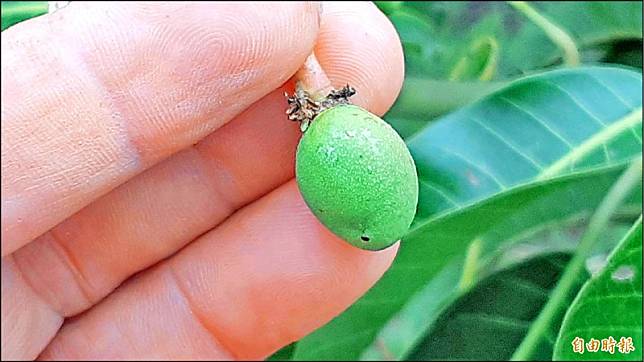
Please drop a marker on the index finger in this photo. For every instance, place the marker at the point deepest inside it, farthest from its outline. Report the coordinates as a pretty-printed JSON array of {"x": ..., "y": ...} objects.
[{"x": 96, "y": 93}]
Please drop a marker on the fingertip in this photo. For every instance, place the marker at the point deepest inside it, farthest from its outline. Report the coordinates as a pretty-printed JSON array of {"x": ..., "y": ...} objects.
[{"x": 359, "y": 45}]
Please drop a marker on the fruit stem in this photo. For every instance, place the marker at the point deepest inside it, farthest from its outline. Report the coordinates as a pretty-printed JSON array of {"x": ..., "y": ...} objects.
[
  {"x": 314, "y": 93},
  {"x": 312, "y": 79}
]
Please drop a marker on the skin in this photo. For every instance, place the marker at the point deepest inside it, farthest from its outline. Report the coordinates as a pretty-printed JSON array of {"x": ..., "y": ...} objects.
[
  {"x": 357, "y": 176},
  {"x": 151, "y": 139}
]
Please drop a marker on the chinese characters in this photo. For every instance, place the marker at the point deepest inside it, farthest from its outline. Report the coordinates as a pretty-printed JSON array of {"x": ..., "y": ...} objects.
[{"x": 624, "y": 346}]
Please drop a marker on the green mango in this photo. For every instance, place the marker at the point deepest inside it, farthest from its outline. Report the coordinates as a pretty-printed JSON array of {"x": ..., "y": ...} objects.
[{"x": 357, "y": 176}]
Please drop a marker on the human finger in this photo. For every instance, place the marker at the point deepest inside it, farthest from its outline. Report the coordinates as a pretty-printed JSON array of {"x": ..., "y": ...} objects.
[
  {"x": 269, "y": 275},
  {"x": 95, "y": 93}
]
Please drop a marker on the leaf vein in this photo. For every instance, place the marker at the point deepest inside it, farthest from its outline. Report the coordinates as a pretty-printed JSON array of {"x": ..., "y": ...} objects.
[
  {"x": 526, "y": 285},
  {"x": 437, "y": 190},
  {"x": 539, "y": 120},
  {"x": 501, "y": 321},
  {"x": 577, "y": 102},
  {"x": 503, "y": 140},
  {"x": 475, "y": 166},
  {"x": 619, "y": 98},
  {"x": 591, "y": 143}
]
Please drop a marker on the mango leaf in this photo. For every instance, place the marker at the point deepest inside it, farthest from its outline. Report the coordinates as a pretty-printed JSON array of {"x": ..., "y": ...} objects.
[
  {"x": 590, "y": 24},
  {"x": 422, "y": 100},
  {"x": 489, "y": 321},
  {"x": 418, "y": 39},
  {"x": 419, "y": 316},
  {"x": 346, "y": 336},
  {"x": 564, "y": 236},
  {"x": 492, "y": 170},
  {"x": 436, "y": 47},
  {"x": 283, "y": 354},
  {"x": 479, "y": 62},
  {"x": 407, "y": 327},
  {"x": 536, "y": 128},
  {"x": 14, "y": 12},
  {"x": 523, "y": 47},
  {"x": 596, "y": 22},
  {"x": 389, "y": 7},
  {"x": 460, "y": 55},
  {"x": 609, "y": 305}
]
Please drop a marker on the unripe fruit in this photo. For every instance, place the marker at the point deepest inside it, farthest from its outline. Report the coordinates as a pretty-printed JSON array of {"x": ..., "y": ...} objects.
[{"x": 356, "y": 175}]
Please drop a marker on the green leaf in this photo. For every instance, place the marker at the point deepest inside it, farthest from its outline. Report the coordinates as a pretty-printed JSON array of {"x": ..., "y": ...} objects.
[
  {"x": 455, "y": 55},
  {"x": 499, "y": 44},
  {"x": 609, "y": 305},
  {"x": 422, "y": 100},
  {"x": 589, "y": 23},
  {"x": 283, "y": 354},
  {"x": 554, "y": 310},
  {"x": 523, "y": 46},
  {"x": 553, "y": 31},
  {"x": 14, "y": 12},
  {"x": 592, "y": 22},
  {"x": 536, "y": 128},
  {"x": 419, "y": 260},
  {"x": 479, "y": 62},
  {"x": 489, "y": 321},
  {"x": 388, "y": 7},
  {"x": 563, "y": 236},
  {"x": 477, "y": 184},
  {"x": 404, "y": 330},
  {"x": 418, "y": 316},
  {"x": 418, "y": 39}
]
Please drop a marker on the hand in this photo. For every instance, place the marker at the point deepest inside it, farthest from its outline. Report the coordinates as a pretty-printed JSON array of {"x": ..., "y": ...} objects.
[{"x": 149, "y": 208}]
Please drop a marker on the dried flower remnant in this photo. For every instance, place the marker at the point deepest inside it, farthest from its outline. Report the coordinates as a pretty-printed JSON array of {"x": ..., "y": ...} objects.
[{"x": 303, "y": 108}]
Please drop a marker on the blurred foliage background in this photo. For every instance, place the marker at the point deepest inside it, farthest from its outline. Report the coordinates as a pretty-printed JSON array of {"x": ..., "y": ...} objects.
[{"x": 456, "y": 52}]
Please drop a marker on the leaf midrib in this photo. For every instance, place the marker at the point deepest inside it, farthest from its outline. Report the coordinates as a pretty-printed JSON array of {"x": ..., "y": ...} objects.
[{"x": 592, "y": 143}]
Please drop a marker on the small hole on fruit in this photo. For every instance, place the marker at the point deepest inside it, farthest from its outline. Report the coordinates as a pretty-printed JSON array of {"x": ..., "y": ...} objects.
[{"x": 364, "y": 238}]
